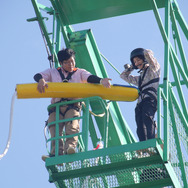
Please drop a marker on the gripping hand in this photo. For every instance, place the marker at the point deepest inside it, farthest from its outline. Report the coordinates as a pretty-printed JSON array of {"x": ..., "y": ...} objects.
[{"x": 128, "y": 67}]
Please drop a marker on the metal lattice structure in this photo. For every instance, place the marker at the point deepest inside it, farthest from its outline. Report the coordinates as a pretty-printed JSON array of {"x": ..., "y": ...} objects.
[{"x": 122, "y": 162}]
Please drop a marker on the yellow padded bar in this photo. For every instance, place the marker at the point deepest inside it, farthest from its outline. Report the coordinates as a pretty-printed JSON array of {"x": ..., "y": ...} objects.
[{"x": 78, "y": 90}]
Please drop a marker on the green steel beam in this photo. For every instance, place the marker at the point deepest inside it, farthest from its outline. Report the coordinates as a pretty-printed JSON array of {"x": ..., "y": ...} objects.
[
  {"x": 57, "y": 131},
  {"x": 167, "y": 41},
  {"x": 180, "y": 68},
  {"x": 66, "y": 30},
  {"x": 172, "y": 175},
  {"x": 159, "y": 21},
  {"x": 180, "y": 19},
  {"x": 37, "y": 8},
  {"x": 58, "y": 34},
  {"x": 178, "y": 38},
  {"x": 75, "y": 11},
  {"x": 182, "y": 82},
  {"x": 166, "y": 81},
  {"x": 93, "y": 132},
  {"x": 159, "y": 113},
  {"x": 85, "y": 125},
  {"x": 165, "y": 35},
  {"x": 43, "y": 7},
  {"x": 178, "y": 86}
]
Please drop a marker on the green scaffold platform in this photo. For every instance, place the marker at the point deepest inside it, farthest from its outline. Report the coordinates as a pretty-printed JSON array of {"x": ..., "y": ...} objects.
[{"x": 122, "y": 161}]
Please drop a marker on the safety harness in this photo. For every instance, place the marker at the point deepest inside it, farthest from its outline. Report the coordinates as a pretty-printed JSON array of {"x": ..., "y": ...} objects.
[
  {"x": 75, "y": 106},
  {"x": 147, "y": 90},
  {"x": 69, "y": 75}
]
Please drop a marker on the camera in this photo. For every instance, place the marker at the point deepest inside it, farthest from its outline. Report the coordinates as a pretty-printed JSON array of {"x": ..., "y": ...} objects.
[{"x": 128, "y": 67}]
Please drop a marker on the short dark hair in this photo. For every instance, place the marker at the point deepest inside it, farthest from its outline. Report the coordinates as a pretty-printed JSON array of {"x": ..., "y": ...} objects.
[{"x": 65, "y": 54}]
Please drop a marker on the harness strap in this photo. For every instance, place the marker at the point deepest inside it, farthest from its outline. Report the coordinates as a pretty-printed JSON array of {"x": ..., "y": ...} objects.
[
  {"x": 69, "y": 75},
  {"x": 150, "y": 82},
  {"x": 68, "y": 107},
  {"x": 151, "y": 95},
  {"x": 147, "y": 91},
  {"x": 71, "y": 106},
  {"x": 141, "y": 79}
]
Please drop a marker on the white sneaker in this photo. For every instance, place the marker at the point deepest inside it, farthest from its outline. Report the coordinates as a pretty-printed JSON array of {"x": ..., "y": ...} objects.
[{"x": 70, "y": 150}]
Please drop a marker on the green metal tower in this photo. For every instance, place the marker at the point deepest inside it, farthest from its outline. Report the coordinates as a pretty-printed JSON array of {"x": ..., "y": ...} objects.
[{"x": 119, "y": 163}]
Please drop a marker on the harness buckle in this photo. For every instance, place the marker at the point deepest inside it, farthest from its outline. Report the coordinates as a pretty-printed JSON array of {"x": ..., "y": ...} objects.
[{"x": 65, "y": 80}]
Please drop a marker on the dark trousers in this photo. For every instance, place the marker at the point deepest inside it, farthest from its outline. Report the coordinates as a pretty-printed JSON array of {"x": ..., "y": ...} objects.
[{"x": 144, "y": 115}]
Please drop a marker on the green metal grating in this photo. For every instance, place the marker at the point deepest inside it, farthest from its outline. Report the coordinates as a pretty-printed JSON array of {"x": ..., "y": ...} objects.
[
  {"x": 175, "y": 158},
  {"x": 115, "y": 170}
]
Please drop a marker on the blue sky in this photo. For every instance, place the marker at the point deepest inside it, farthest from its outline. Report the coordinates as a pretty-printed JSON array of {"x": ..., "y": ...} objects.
[{"x": 23, "y": 54}]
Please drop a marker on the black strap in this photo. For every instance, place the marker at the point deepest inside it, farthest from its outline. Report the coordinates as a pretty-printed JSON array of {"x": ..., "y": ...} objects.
[
  {"x": 150, "y": 82},
  {"x": 68, "y": 77},
  {"x": 148, "y": 92},
  {"x": 149, "y": 89},
  {"x": 151, "y": 95},
  {"x": 141, "y": 79},
  {"x": 69, "y": 106}
]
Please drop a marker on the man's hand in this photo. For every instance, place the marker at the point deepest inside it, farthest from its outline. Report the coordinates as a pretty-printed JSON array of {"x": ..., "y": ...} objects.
[
  {"x": 105, "y": 82},
  {"x": 42, "y": 85}
]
